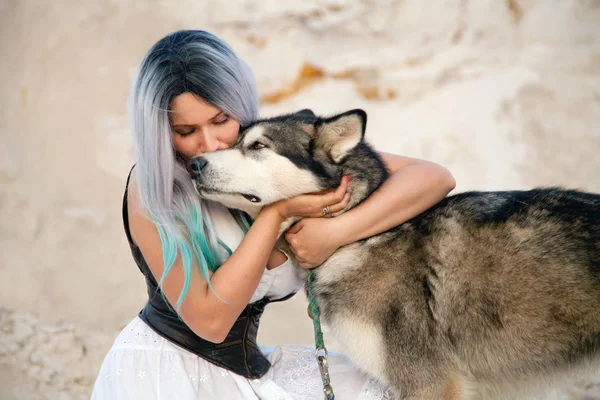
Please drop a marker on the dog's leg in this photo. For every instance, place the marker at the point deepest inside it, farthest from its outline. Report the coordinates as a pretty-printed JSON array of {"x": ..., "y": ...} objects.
[
  {"x": 453, "y": 390},
  {"x": 460, "y": 388}
]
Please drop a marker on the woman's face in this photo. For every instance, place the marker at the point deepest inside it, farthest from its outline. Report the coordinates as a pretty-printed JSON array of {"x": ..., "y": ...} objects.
[{"x": 199, "y": 127}]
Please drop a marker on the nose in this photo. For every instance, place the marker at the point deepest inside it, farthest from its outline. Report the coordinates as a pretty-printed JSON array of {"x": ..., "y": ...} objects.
[
  {"x": 209, "y": 141},
  {"x": 195, "y": 165}
]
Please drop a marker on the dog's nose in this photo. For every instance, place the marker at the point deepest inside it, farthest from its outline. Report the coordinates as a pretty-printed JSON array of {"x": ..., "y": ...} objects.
[{"x": 195, "y": 165}]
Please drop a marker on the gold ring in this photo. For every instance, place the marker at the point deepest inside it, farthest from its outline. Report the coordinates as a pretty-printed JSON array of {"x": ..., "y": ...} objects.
[{"x": 326, "y": 211}]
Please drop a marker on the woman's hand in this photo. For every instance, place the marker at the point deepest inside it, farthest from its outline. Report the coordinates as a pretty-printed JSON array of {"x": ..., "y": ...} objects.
[
  {"x": 314, "y": 205},
  {"x": 313, "y": 240}
]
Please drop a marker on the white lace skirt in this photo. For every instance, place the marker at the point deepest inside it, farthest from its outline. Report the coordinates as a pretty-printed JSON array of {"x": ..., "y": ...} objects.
[{"x": 143, "y": 365}]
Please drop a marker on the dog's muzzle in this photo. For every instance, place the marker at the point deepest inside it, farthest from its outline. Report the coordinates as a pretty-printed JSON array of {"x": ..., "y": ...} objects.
[{"x": 195, "y": 166}]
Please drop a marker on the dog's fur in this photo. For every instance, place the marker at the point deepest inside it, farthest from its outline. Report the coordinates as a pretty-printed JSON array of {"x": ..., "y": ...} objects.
[{"x": 483, "y": 293}]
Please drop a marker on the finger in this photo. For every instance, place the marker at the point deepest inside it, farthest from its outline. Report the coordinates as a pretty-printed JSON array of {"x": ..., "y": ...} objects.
[
  {"x": 295, "y": 228},
  {"x": 324, "y": 213},
  {"x": 288, "y": 238},
  {"x": 341, "y": 205},
  {"x": 339, "y": 193},
  {"x": 344, "y": 202},
  {"x": 308, "y": 264},
  {"x": 331, "y": 197},
  {"x": 291, "y": 239}
]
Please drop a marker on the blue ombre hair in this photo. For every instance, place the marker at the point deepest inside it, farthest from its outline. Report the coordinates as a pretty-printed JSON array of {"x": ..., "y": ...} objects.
[{"x": 204, "y": 65}]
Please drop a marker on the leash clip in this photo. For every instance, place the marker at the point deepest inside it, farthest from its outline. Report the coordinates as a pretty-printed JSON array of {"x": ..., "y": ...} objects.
[{"x": 324, "y": 369}]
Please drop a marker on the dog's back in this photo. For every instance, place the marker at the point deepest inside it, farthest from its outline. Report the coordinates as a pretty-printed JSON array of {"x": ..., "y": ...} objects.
[{"x": 520, "y": 295}]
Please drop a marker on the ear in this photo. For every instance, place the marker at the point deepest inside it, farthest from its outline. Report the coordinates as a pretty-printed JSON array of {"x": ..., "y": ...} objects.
[
  {"x": 340, "y": 134},
  {"x": 305, "y": 113},
  {"x": 305, "y": 120}
]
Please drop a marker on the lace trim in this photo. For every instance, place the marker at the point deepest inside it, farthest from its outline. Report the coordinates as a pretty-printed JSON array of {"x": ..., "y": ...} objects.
[{"x": 374, "y": 390}]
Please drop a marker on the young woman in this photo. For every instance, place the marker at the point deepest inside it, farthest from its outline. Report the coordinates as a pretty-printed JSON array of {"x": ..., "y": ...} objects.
[{"x": 209, "y": 272}]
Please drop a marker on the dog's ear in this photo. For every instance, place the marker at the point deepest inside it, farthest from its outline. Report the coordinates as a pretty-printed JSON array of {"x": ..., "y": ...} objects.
[
  {"x": 305, "y": 120},
  {"x": 305, "y": 113},
  {"x": 340, "y": 134}
]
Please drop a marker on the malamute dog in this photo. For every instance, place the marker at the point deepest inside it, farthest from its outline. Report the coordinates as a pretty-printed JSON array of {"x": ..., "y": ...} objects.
[{"x": 481, "y": 295}]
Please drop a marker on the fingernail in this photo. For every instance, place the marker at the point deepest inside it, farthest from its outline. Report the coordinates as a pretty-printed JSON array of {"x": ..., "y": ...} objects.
[{"x": 346, "y": 178}]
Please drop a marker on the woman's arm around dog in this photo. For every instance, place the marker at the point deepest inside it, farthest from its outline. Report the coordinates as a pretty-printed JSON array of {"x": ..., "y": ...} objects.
[
  {"x": 237, "y": 278},
  {"x": 413, "y": 186}
]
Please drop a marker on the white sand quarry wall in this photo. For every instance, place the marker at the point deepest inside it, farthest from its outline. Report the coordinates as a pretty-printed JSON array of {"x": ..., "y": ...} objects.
[{"x": 506, "y": 94}]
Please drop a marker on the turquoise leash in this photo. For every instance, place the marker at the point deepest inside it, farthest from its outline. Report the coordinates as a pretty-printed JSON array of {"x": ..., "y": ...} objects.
[{"x": 314, "y": 314}]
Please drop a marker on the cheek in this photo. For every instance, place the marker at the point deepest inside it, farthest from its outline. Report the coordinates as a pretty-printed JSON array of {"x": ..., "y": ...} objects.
[
  {"x": 184, "y": 146},
  {"x": 229, "y": 134}
]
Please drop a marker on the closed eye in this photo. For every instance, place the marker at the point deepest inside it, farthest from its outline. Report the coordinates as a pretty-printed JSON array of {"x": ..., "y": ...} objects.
[
  {"x": 223, "y": 120},
  {"x": 186, "y": 133}
]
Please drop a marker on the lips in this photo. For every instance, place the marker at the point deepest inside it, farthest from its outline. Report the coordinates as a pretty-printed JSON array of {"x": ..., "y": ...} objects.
[{"x": 251, "y": 198}]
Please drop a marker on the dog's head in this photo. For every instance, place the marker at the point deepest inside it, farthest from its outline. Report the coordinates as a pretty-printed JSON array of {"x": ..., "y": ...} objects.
[{"x": 281, "y": 157}]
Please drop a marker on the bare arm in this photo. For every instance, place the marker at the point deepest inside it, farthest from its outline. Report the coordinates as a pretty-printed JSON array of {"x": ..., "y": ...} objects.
[
  {"x": 236, "y": 280},
  {"x": 413, "y": 186}
]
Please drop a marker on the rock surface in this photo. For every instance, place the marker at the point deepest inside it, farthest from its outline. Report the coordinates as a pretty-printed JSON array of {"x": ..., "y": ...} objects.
[{"x": 505, "y": 94}]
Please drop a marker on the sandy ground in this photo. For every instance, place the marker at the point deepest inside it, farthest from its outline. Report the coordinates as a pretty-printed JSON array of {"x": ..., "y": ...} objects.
[{"x": 505, "y": 94}]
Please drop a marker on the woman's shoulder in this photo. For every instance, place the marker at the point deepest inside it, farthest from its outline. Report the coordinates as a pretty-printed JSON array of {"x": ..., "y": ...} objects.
[
  {"x": 135, "y": 208},
  {"x": 132, "y": 189}
]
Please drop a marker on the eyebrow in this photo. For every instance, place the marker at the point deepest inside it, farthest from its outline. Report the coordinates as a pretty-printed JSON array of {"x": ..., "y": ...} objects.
[
  {"x": 192, "y": 125},
  {"x": 268, "y": 137}
]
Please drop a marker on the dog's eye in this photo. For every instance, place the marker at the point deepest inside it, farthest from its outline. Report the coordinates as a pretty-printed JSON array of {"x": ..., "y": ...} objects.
[{"x": 257, "y": 146}]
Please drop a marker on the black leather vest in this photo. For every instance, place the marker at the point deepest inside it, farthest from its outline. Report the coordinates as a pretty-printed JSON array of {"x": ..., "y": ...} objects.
[{"x": 238, "y": 353}]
